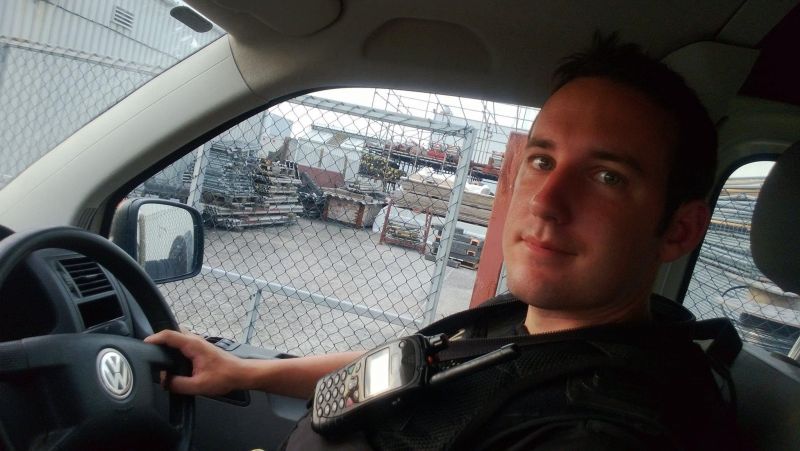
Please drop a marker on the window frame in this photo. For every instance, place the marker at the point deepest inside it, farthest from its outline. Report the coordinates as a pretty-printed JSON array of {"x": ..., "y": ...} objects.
[{"x": 712, "y": 204}]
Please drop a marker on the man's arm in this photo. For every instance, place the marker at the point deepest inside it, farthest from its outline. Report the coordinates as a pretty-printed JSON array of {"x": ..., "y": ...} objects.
[{"x": 216, "y": 372}]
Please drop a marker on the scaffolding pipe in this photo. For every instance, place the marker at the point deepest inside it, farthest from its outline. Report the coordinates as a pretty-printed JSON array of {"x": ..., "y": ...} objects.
[
  {"x": 449, "y": 227},
  {"x": 252, "y": 317},
  {"x": 314, "y": 298},
  {"x": 195, "y": 199}
]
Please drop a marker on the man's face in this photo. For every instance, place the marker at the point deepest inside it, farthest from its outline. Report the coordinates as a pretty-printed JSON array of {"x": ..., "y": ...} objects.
[{"x": 581, "y": 231}]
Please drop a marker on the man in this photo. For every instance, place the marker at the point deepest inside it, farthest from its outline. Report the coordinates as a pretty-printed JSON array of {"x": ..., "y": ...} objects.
[{"x": 611, "y": 185}]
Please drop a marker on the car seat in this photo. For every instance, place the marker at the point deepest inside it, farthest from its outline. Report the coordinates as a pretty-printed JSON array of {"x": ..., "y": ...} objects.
[{"x": 768, "y": 385}]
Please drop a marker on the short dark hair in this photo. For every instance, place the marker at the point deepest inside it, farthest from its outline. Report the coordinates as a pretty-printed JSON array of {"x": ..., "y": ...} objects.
[{"x": 693, "y": 163}]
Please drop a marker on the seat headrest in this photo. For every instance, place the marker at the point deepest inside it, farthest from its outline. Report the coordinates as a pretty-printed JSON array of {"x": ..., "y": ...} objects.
[{"x": 775, "y": 233}]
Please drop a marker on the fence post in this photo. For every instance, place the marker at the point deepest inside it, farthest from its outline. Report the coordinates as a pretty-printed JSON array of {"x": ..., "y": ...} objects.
[
  {"x": 252, "y": 316},
  {"x": 198, "y": 177},
  {"x": 502, "y": 285},
  {"x": 449, "y": 228}
]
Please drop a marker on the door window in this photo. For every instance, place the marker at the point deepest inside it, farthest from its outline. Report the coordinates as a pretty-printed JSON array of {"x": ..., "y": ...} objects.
[{"x": 327, "y": 217}]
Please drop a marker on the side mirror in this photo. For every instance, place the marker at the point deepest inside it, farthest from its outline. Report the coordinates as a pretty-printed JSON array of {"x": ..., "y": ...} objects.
[{"x": 165, "y": 237}]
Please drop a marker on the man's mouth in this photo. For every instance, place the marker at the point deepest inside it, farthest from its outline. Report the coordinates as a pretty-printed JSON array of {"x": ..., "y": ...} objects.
[{"x": 547, "y": 247}]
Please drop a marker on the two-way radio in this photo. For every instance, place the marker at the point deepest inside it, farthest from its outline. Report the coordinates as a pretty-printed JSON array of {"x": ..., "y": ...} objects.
[{"x": 383, "y": 377}]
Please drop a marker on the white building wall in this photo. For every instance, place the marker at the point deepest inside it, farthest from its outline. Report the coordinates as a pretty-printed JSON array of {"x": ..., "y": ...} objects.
[
  {"x": 76, "y": 91},
  {"x": 320, "y": 155},
  {"x": 489, "y": 137},
  {"x": 276, "y": 126},
  {"x": 83, "y": 63}
]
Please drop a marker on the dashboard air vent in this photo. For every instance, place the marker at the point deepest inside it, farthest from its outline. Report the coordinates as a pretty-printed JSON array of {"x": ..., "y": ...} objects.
[{"x": 87, "y": 276}]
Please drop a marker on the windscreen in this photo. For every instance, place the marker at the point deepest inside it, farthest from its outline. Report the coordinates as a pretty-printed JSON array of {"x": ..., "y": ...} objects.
[{"x": 64, "y": 63}]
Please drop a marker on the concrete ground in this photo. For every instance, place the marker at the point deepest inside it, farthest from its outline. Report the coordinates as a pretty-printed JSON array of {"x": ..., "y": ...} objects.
[
  {"x": 457, "y": 291},
  {"x": 316, "y": 286}
]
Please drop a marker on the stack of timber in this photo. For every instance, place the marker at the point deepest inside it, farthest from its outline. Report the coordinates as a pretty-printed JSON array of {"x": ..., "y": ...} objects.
[
  {"x": 240, "y": 190},
  {"x": 369, "y": 187},
  {"x": 465, "y": 252},
  {"x": 351, "y": 208},
  {"x": 418, "y": 194}
]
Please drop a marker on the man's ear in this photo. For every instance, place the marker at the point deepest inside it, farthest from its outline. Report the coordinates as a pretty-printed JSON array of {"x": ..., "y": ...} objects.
[{"x": 685, "y": 231}]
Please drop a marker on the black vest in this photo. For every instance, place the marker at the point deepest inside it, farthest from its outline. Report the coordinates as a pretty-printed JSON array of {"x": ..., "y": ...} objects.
[{"x": 648, "y": 386}]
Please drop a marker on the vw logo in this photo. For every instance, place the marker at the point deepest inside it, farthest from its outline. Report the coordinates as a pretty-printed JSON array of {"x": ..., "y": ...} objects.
[{"x": 115, "y": 373}]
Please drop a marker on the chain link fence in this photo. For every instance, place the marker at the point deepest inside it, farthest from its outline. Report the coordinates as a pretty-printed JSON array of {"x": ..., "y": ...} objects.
[
  {"x": 327, "y": 223},
  {"x": 47, "y": 94},
  {"x": 726, "y": 281}
]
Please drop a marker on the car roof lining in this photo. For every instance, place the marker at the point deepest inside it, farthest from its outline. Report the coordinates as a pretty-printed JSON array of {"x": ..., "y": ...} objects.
[
  {"x": 285, "y": 18},
  {"x": 467, "y": 48}
]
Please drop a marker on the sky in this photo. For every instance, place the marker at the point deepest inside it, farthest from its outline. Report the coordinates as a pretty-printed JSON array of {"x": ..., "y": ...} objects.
[{"x": 757, "y": 169}]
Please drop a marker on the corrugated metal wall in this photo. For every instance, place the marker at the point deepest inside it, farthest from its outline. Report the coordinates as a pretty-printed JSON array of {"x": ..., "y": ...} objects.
[{"x": 62, "y": 62}]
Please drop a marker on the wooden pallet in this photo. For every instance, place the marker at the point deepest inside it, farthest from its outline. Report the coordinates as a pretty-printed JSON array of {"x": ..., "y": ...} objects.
[
  {"x": 442, "y": 192},
  {"x": 410, "y": 244},
  {"x": 471, "y": 241},
  {"x": 454, "y": 262},
  {"x": 466, "y": 264}
]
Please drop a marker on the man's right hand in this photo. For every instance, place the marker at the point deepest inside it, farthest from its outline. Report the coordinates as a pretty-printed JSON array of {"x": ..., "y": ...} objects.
[{"x": 214, "y": 371}]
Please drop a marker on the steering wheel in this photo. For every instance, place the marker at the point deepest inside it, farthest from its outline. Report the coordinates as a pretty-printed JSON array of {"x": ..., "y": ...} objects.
[{"x": 101, "y": 391}]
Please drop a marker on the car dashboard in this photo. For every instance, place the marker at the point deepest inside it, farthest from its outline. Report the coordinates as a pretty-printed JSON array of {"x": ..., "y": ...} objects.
[{"x": 58, "y": 291}]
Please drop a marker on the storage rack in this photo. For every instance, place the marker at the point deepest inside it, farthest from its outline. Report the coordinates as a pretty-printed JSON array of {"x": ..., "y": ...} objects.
[{"x": 405, "y": 235}]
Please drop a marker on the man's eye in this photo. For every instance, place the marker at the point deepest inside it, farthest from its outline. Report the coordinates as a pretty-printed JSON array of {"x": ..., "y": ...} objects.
[
  {"x": 608, "y": 178},
  {"x": 543, "y": 163}
]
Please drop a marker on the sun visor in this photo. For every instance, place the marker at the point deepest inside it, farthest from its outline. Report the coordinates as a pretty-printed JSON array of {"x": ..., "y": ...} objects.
[
  {"x": 428, "y": 43},
  {"x": 715, "y": 71},
  {"x": 289, "y": 18}
]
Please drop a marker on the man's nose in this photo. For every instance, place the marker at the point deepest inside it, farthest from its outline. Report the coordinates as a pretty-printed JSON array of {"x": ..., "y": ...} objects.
[{"x": 551, "y": 202}]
